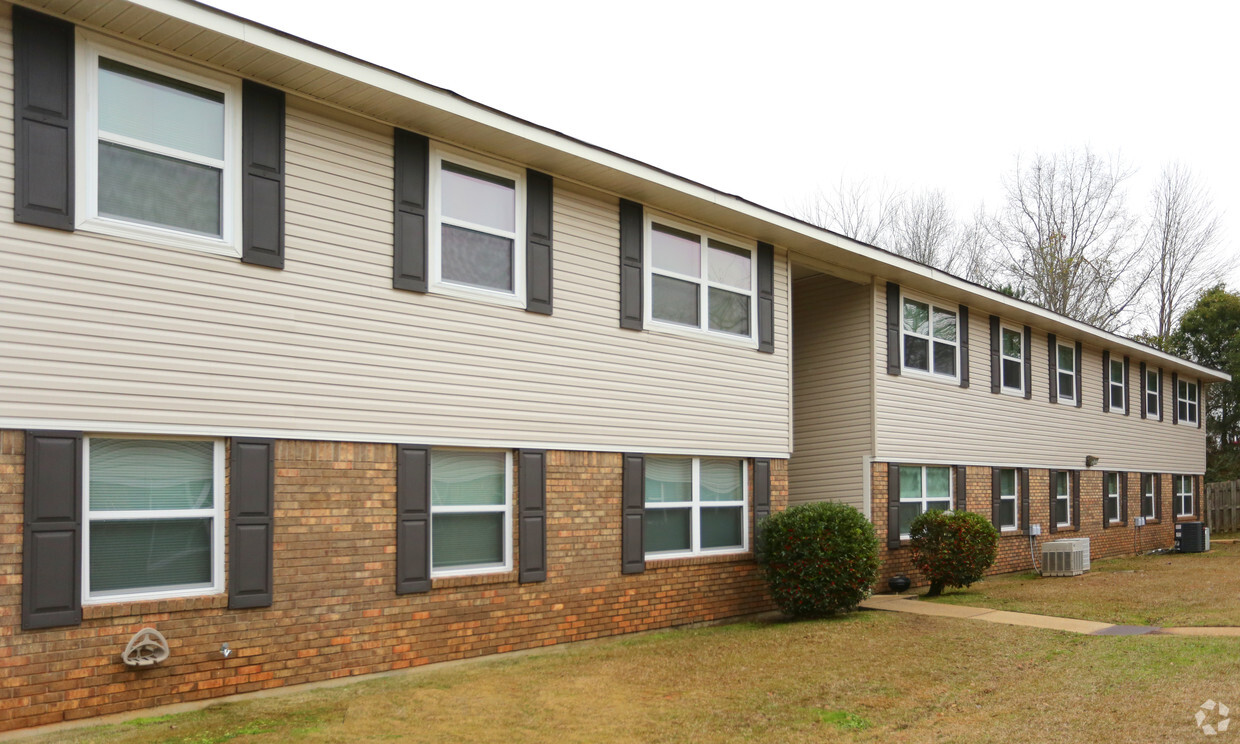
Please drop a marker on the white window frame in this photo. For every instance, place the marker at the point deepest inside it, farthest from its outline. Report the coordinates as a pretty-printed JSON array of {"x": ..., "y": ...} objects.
[
  {"x": 929, "y": 373},
  {"x": 1014, "y": 497},
  {"x": 438, "y": 154},
  {"x": 705, "y": 235},
  {"x": 924, "y": 499},
  {"x": 1113, "y": 364},
  {"x": 1193, "y": 405},
  {"x": 1067, "y": 477},
  {"x": 1180, "y": 482},
  {"x": 1019, "y": 390},
  {"x": 215, "y": 514},
  {"x": 695, "y": 506},
  {"x": 90, "y": 47},
  {"x": 1155, "y": 390},
  {"x": 1149, "y": 496},
  {"x": 488, "y": 568},
  {"x": 1107, "y": 495},
  {"x": 1071, "y": 395}
]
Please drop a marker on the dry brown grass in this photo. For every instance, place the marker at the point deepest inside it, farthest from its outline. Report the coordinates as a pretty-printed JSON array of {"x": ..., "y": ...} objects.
[
  {"x": 1176, "y": 589},
  {"x": 864, "y": 677}
]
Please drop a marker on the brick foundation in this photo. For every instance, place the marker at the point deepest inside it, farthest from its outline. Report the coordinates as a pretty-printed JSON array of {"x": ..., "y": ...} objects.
[
  {"x": 1014, "y": 554},
  {"x": 335, "y": 610}
]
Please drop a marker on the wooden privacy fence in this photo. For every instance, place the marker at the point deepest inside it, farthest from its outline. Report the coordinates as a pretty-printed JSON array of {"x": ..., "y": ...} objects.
[{"x": 1222, "y": 506}]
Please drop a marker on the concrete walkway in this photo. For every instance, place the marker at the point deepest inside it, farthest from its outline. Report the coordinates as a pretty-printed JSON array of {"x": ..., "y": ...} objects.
[{"x": 909, "y": 603}]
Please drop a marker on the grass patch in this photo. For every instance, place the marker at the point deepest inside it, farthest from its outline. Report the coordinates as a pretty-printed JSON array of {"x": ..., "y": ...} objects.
[
  {"x": 1175, "y": 589},
  {"x": 866, "y": 677}
]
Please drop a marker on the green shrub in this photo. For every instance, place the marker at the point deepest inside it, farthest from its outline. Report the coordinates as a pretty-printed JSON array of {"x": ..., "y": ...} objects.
[
  {"x": 818, "y": 559},
  {"x": 952, "y": 548}
]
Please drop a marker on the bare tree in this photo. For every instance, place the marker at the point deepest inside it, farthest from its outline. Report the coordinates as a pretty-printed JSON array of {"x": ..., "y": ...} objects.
[
  {"x": 925, "y": 230},
  {"x": 1068, "y": 238},
  {"x": 857, "y": 209},
  {"x": 1182, "y": 235}
]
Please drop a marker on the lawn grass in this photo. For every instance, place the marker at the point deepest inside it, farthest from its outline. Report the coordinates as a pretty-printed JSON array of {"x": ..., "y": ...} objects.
[
  {"x": 1175, "y": 589},
  {"x": 864, "y": 677}
]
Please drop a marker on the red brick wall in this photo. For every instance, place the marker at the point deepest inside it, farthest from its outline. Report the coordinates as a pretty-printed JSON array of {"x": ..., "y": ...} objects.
[
  {"x": 335, "y": 610},
  {"x": 1014, "y": 548}
]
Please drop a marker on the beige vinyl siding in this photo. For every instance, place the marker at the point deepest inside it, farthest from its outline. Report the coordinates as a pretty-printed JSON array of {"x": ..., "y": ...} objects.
[
  {"x": 116, "y": 334},
  {"x": 832, "y": 410},
  {"x": 919, "y": 419}
]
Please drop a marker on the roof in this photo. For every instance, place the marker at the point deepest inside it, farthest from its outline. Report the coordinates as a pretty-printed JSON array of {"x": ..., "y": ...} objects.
[{"x": 247, "y": 48}]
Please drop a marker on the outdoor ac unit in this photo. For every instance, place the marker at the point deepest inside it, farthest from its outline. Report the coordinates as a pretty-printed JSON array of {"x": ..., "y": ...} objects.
[
  {"x": 1191, "y": 537},
  {"x": 1065, "y": 557}
]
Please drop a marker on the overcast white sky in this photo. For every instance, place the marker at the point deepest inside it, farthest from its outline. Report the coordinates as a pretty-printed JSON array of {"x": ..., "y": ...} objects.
[{"x": 773, "y": 100}]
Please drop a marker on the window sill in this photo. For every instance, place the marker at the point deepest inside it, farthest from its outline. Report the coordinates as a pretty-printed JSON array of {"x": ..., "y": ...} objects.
[
  {"x": 671, "y": 329},
  {"x": 452, "y": 582},
  {"x": 126, "y": 608},
  {"x": 1013, "y": 393},
  {"x": 1011, "y": 532},
  {"x": 1068, "y": 528},
  {"x": 482, "y": 296},
  {"x": 159, "y": 237},
  {"x": 699, "y": 560},
  {"x": 1150, "y": 520},
  {"x": 919, "y": 374}
]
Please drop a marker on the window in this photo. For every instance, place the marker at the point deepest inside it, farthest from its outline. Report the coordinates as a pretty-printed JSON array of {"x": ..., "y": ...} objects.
[
  {"x": 1152, "y": 393},
  {"x": 1011, "y": 348},
  {"x": 477, "y": 230},
  {"x": 1110, "y": 499},
  {"x": 154, "y": 518},
  {"x": 1183, "y": 495},
  {"x": 929, "y": 338},
  {"x": 699, "y": 281},
  {"x": 1066, "y": 366},
  {"x": 1148, "y": 496},
  {"x": 1063, "y": 499},
  {"x": 471, "y": 518},
  {"x": 922, "y": 489},
  {"x": 1009, "y": 493},
  {"x": 1186, "y": 399},
  {"x": 159, "y": 150},
  {"x": 695, "y": 505},
  {"x": 1118, "y": 390}
]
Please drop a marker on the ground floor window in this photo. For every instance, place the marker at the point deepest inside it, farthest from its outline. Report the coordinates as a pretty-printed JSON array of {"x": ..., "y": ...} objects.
[
  {"x": 1183, "y": 495},
  {"x": 923, "y": 488},
  {"x": 1009, "y": 498},
  {"x": 471, "y": 515},
  {"x": 1149, "y": 496},
  {"x": 1110, "y": 498},
  {"x": 695, "y": 505},
  {"x": 154, "y": 520},
  {"x": 1063, "y": 499}
]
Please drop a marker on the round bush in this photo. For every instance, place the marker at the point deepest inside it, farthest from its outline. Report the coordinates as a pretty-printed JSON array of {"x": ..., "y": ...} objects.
[
  {"x": 818, "y": 559},
  {"x": 952, "y": 548}
]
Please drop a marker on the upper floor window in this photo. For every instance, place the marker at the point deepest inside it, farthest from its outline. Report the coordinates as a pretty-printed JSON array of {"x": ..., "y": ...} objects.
[
  {"x": 1153, "y": 393},
  {"x": 929, "y": 338},
  {"x": 1183, "y": 495},
  {"x": 1063, "y": 499},
  {"x": 1110, "y": 499},
  {"x": 1186, "y": 400},
  {"x": 1117, "y": 386},
  {"x": 1009, "y": 499},
  {"x": 158, "y": 150},
  {"x": 471, "y": 511},
  {"x": 923, "y": 488},
  {"x": 1066, "y": 372},
  {"x": 700, "y": 282},
  {"x": 695, "y": 505},
  {"x": 1011, "y": 348},
  {"x": 477, "y": 229}
]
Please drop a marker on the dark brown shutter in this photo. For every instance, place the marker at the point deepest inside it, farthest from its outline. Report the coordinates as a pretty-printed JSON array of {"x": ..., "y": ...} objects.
[
  {"x": 1142, "y": 386},
  {"x": 1175, "y": 397},
  {"x": 962, "y": 488},
  {"x": 413, "y": 519},
  {"x": 761, "y": 489},
  {"x": 1052, "y": 350},
  {"x": 262, "y": 191},
  {"x": 52, "y": 534},
  {"x": 1162, "y": 396},
  {"x": 633, "y": 515},
  {"x": 766, "y": 298},
  {"x": 893, "y": 505},
  {"x": 411, "y": 189},
  {"x": 1106, "y": 381},
  {"x": 1123, "y": 499},
  {"x": 251, "y": 506},
  {"x": 1076, "y": 497},
  {"x": 963, "y": 335},
  {"x": 996, "y": 360},
  {"x": 538, "y": 283},
  {"x": 1158, "y": 495},
  {"x": 893, "y": 330},
  {"x": 1024, "y": 500},
  {"x": 632, "y": 227},
  {"x": 1053, "y": 522},
  {"x": 1027, "y": 362},
  {"x": 532, "y": 514},
  {"x": 996, "y": 490},
  {"x": 1106, "y": 523},
  {"x": 1127, "y": 387},
  {"x": 1080, "y": 375},
  {"x": 43, "y": 68}
]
